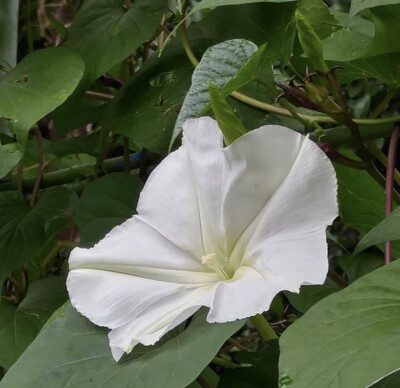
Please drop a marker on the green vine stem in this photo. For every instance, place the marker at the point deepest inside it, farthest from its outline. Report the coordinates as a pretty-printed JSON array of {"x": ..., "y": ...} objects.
[
  {"x": 383, "y": 104},
  {"x": 263, "y": 327},
  {"x": 68, "y": 175},
  {"x": 286, "y": 104},
  {"x": 362, "y": 149},
  {"x": 365, "y": 155},
  {"x": 341, "y": 135},
  {"x": 310, "y": 118},
  {"x": 102, "y": 150},
  {"x": 338, "y": 135},
  {"x": 378, "y": 154},
  {"x": 184, "y": 38}
]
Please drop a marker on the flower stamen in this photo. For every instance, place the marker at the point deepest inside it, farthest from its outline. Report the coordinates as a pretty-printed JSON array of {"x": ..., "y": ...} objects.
[{"x": 211, "y": 261}]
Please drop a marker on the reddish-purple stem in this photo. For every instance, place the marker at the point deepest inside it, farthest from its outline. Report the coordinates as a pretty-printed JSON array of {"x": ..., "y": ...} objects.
[{"x": 394, "y": 140}]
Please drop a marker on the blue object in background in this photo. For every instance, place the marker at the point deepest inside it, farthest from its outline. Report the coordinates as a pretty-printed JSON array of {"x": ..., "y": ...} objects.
[{"x": 132, "y": 158}]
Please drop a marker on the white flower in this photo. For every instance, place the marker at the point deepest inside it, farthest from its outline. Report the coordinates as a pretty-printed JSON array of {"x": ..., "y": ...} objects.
[{"x": 227, "y": 228}]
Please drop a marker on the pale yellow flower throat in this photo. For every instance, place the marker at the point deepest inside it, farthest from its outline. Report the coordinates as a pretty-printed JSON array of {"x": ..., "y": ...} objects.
[{"x": 221, "y": 267}]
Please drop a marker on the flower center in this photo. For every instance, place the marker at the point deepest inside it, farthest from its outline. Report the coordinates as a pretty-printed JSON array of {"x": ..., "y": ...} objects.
[{"x": 220, "y": 266}]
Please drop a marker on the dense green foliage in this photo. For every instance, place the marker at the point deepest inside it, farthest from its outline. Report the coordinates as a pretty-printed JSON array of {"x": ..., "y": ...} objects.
[{"x": 93, "y": 94}]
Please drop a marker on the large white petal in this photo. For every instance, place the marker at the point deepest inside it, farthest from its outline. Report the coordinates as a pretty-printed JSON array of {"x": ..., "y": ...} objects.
[
  {"x": 287, "y": 240},
  {"x": 258, "y": 163},
  {"x": 233, "y": 184},
  {"x": 136, "y": 279},
  {"x": 169, "y": 203},
  {"x": 293, "y": 260},
  {"x": 203, "y": 142},
  {"x": 122, "y": 341},
  {"x": 248, "y": 293},
  {"x": 137, "y": 309},
  {"x": 160, "y": 319},
  {"x": 133, "y": 244},
  {"x": 183, "y": 197}
]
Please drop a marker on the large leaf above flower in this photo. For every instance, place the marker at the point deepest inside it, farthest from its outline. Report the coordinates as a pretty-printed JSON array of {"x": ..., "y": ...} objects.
[{"x": 219, "y": 64}]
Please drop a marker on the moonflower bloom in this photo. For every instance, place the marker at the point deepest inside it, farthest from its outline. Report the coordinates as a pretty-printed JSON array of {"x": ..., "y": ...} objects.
[{"x": 227, "y": 228}]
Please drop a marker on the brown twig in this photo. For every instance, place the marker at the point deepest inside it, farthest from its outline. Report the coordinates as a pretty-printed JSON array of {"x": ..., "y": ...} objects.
[
  {"x": 5, "y": 69},
  {"x": 236, "y": 343},
  {"x": 131, "y": 65},
  {"x": 202, "y": 382},
  {"x": 25, "y": 278},
  {"x": 110, "y": 81},
  {"x": 342, "y": 283},
  {"x": 164, "y": 29},
  {"x": 15, "y": 283},
  {"x": 394, "y": 141},
  {"x": 278, "y": 323},
  {"x": 99, "y": 96},
  {"x": 161, "y": 35},
  {"x": 242, "y": 340}
]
